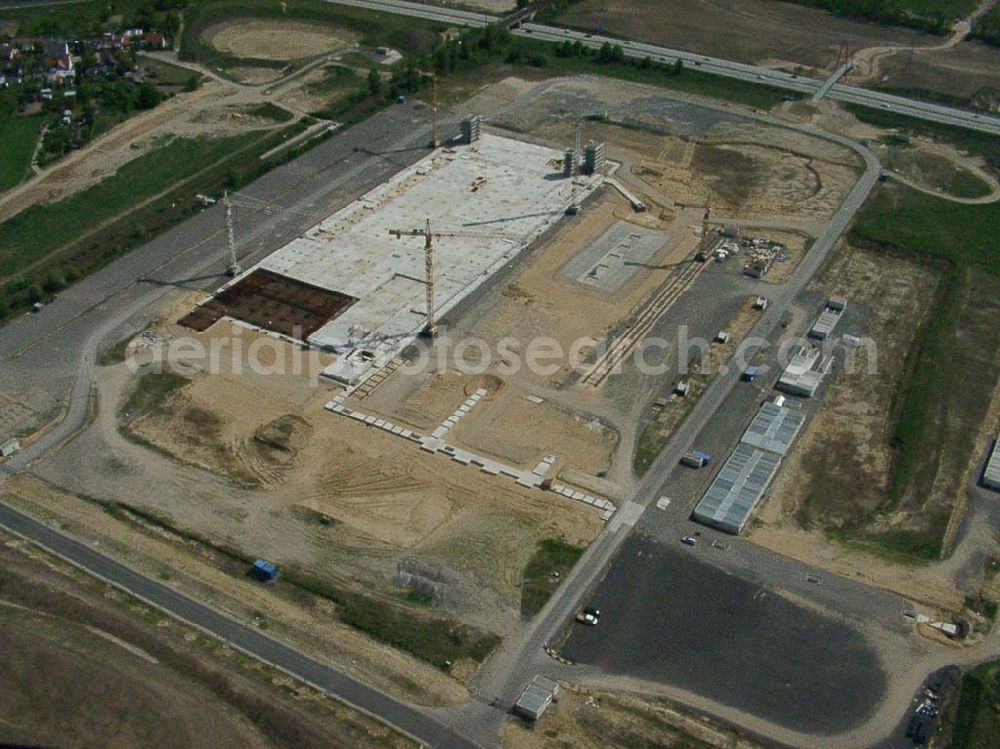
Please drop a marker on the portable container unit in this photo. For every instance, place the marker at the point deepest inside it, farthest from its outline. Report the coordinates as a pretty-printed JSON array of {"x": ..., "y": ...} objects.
[
  {"x": 9, "y": 447},
  {"x": 991, "y": 472},
  {"x": 695, "y": 459},
  {"x": 264, "y": 570}
]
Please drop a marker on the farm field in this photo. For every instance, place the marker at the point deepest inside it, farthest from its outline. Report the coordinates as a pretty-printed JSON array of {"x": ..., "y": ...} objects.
[
  {"x": 19, "y": 135},
  {"x": 81, "y": 660},
  {"x": 796, "y": 35},
  {"x": 805, "y": 38},
  {"x": 48, "y": 246}
]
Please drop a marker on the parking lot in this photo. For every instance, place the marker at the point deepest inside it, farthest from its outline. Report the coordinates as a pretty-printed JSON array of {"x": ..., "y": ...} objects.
[{"x": 743, "y": 645}]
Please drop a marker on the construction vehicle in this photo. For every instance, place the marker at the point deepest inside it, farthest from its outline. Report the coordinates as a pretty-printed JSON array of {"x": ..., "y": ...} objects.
[{"x": 696, "y": 459}]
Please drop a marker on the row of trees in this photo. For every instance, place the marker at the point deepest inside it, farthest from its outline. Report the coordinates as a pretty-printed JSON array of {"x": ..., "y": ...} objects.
[
  {"x": 987, "y": 27},
  {"x": 93, "y": 19},
  {"x": 892, "y": 12}
]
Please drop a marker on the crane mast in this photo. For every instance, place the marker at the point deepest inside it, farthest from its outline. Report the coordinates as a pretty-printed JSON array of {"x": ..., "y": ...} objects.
[
  {"x": 430, "y": 330},
  {"x": 234, "y": 268}
]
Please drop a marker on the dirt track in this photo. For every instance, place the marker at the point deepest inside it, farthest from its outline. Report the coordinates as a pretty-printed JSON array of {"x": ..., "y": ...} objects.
[
  {"x": 270, "y": 40},
  {"x": 76, "y": 653}
]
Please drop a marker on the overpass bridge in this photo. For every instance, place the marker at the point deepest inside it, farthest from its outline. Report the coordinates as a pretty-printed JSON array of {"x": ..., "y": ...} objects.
[
  {"x": 829, "y": 83},
  {"x": 519, "y": 16}
]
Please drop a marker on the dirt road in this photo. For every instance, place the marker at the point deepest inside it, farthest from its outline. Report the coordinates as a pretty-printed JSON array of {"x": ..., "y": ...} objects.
[{"x": 867, "y": 61}]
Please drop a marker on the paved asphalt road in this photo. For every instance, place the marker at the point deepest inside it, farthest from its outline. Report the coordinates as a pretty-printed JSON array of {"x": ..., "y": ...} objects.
[
  {"x": 508, "y": 677},
  {"x": 505, "y": 678},
  {"x": 740, "y": 71},
  {"x": 239, "y": 635},
  {"x": 84, "y": 318}
]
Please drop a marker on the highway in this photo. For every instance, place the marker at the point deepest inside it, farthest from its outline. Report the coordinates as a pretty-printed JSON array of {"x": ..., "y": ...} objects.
[
  {"x": 508, "y": 671},
  {"x": 716, "y": 66}
]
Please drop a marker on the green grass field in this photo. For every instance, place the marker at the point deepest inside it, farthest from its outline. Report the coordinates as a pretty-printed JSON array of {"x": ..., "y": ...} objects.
[
  {"x": 551, "y": 556},
  {"x": 18, "y": 135},
  {"x": 45, "y": 247},
  {"x": 977, "y": 722},
  {"x": 40, "y": 230},
  {"x": 929, "y": 15},
  {"x": 435, "y": 638},
  {"x": 936, "y": 424}
]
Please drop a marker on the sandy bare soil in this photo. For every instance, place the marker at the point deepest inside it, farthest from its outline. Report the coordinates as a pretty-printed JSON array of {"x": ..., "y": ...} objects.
[
  {"x": 847, "y": 443},
  {"x": 216, "y": 109},
  {"x": 741, "y": 173},
  {"x": 270, "y": 40},
  {"x": 84, "y": 666},
  {"x": 753, "y": 31},
  {"x": 587, "y": 718},
  {"x": 522, "y": 432},
  {"x": 387, "y": 498}
]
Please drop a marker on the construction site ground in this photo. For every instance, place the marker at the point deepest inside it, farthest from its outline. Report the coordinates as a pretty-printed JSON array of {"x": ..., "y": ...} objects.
[
  {"x": 666, "y": 418},
  {"x": 788, "y": 187},
  {"x": 838, "y": 472},
  {"x": 587, "y": 718},
  {"x": 254, "y": 463},
  {"x": 78, "y": 651}
]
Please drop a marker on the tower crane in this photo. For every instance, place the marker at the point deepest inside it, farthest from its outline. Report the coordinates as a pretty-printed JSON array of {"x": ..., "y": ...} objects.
[
  {"x": 234, "y": 268},
  {"x": 430, "y": 327},
  {"x": 239, "y": 200}
]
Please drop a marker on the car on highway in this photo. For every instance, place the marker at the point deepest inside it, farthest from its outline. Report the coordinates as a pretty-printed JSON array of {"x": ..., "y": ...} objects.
[
  {"x": 886, "y": 106},
  {"x": 689, "y": 540},
  {"x": 589, "y": 616}
]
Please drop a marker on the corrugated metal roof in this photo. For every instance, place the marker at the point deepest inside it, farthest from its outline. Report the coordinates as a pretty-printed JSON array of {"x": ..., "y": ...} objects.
[
  {"x": 805, "y": 383},
  {"x": 825, "y": 323},
  {"x": 533, "y": 700},
  {"x": 734, "y": 493},
  {"x": 991, "y": 474},
  {"x": 774, "y": 428}
]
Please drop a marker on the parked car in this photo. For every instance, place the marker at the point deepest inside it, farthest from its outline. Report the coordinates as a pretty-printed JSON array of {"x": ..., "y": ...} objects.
[{"x": 589, "y": 616}]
